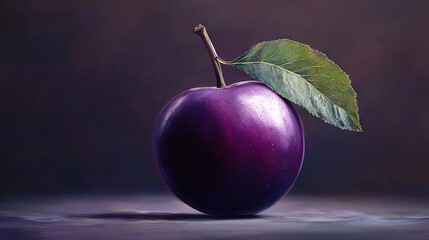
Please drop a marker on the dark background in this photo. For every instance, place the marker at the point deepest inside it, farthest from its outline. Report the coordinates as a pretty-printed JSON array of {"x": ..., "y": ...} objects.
[{"x": 81, "y": 84}]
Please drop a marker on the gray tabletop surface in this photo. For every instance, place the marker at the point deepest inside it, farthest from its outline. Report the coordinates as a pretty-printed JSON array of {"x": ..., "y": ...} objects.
[{"x": 164, "y": 217}]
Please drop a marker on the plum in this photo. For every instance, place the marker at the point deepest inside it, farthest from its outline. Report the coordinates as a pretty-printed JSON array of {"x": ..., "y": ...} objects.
[{"x": 229, "y": 151}]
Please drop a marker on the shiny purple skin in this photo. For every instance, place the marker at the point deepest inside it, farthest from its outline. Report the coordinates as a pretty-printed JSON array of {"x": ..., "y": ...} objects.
[{"x": 231, "y": 151}]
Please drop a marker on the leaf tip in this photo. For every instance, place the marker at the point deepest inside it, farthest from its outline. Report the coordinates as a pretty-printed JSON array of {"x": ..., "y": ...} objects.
[
  {"x": 359, "y": 130},
  {"x": 356, "y": 128}
]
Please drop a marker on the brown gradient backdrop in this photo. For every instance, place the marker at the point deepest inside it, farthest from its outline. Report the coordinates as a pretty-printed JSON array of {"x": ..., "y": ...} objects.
[{"x": 82, "y": 83}]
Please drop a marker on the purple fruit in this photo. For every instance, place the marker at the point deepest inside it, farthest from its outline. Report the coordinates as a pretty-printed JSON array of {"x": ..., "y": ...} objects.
[{"x": 229, "y": 151}]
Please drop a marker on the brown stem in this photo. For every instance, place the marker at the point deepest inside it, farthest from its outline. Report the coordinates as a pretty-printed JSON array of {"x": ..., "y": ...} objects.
[{"x": 201, "y": 30}]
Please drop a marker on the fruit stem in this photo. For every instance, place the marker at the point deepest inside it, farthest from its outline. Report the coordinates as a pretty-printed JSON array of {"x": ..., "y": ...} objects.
[{"x": 201, "y": 30}]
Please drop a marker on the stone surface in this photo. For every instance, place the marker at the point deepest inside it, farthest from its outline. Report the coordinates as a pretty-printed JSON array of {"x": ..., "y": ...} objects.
[{"x": 165, "y": 217}]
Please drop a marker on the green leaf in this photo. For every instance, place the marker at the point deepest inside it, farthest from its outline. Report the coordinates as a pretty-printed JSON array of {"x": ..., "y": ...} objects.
[{"x": 305, "y": 77}]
